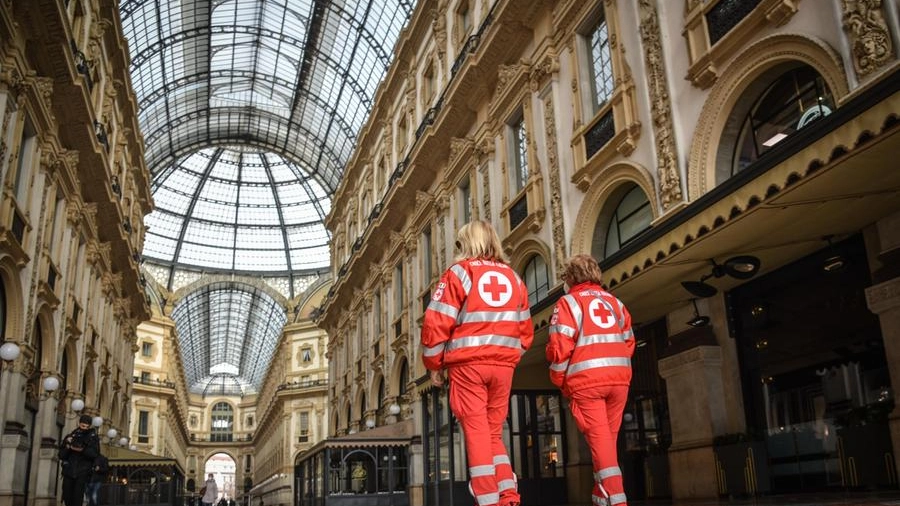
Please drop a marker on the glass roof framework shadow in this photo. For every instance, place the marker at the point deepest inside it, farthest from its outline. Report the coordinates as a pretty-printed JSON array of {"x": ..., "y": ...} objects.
[
  {"x": 228, "y": 333},
  {"x": 249, "y": 111}
]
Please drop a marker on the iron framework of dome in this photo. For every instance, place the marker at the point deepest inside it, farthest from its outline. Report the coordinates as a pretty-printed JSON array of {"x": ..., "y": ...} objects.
[
  {"x": 227, "y": 333},
  {"x": 249, "y": 111}
]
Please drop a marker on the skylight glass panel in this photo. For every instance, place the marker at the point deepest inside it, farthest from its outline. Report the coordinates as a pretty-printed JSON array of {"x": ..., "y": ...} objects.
[
  {"x": 233, "y": 71},
  {"x": 317, "y": 257}
]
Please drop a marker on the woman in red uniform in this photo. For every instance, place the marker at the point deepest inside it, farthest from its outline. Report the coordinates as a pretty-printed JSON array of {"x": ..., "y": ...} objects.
[
  {"x": 477, "y": 326},
  {"x": 590, "y": 349}
]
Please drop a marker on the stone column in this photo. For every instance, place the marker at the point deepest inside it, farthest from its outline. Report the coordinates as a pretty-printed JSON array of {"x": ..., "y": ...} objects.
[
  {"x": 697, "y": 414},
  {"x": 883, "y": 299},
  {"x": 45, "y": 467},
  {"x": 14, "y": 441}
]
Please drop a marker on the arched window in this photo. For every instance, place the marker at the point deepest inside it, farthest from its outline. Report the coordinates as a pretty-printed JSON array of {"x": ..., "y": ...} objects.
[
  {"x": 787, "y": 103},
  {"x": 618, "y": 225},
  {"x": 537, "y": 279},
  {"x": 380, "y": 391},
  {"x": 404, "y": 377},
  {"x": 222, "y": 422}
]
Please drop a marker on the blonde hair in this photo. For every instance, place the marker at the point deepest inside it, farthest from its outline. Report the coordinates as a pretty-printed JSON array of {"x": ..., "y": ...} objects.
[
  {"x": 478, "y": 239},
  {"x": 581, "y": 268}
]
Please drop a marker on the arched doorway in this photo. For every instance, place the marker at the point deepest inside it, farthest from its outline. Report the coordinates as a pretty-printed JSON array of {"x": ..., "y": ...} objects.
[{"x": 222, "y": 467}]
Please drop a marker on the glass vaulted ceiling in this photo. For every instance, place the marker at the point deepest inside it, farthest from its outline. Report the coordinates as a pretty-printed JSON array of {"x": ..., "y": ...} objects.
[
  {"x": 228, "y": 333},
  {"x": 249, "y": 111},
  {"x": 290, "y": 81}
]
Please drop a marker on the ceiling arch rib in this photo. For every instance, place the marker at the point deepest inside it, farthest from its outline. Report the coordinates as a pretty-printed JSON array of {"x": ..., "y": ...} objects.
[
  {"x": 268, "y": 56},
  {"x": 236, "y": 210},
  {"x": 249, "y": 110},
  {"x": 227, "y": 330},
  {"x": 234, "y": 127}
]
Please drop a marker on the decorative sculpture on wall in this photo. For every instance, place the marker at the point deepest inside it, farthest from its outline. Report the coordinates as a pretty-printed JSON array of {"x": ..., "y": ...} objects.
[{"x": 869, "y": 37}]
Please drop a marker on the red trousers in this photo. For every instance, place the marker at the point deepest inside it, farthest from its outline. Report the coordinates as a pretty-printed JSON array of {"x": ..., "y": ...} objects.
[
  {"x": 479, "y": 398},
  {"x": 598, "y": 414}
]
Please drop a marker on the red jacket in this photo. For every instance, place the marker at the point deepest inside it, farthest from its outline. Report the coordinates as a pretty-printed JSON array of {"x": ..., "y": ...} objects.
[
  {"x": 478, "y": 314},
  {"x": 591, "y": 342}
]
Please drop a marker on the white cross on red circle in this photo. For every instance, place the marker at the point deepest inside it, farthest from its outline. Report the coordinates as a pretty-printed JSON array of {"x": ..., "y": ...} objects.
[{"x": 494, "y": 288}]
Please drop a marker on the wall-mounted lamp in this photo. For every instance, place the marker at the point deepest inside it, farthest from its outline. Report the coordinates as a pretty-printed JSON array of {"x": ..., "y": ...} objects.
[
  {"x": 739, "y": 267},
  {"x": 77, "y": 405},
  {"x": 394, "y": 409},
  {"x": 370, "y": 423},
  {"x": 835, "y": 261},
  {"x": 51, "y": 384},
  {"x": 123, "y": 442},
  {"x": 111, "y": 434},
  {"x": 698, "y": 320},
  {"x": 9, "y": 351},
  {"x": 97, "y": 421},
  {"x": 133, "y": 448}
]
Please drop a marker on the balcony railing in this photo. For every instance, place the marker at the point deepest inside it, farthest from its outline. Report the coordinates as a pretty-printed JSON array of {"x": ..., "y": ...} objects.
[
  {"x": 82, "y": 64},
  {"x": 599, "y": 134},
  {"x": 154, "y": 382},
  {"x": 298, "y": 385},
  {"x": 518, "y": 211},
  {"x": 18, "y": 227},
  {"x": 725, "y": 15}
]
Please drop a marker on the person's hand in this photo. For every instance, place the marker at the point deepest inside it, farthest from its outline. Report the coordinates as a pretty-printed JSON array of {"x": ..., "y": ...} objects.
[{"x": 437, "y": 378}]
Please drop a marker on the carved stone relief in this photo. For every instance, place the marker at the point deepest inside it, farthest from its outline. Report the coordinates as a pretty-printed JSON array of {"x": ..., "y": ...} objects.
[
  {"x": 661, "y": 108},
  {"x": 556, "y": 215},
  {"x": 869, "y": 36},
  {"x": 439, "y": 26},
  {"x": 486, "y": 191}
]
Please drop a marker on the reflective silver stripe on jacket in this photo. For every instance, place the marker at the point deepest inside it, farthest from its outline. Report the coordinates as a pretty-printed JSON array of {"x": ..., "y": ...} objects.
[
  {"x": 560, "y": 367},
  {"x": 463, "y": 277},
  {"x": 487, "y": 339},
  {"x": 499, "y": 460},
  {"x": 488, "y": 499},
  {"x": 444, "y": 309},
  {"x": 575, "y": 308},
  {"x": 562, "y": 329},
  {"x": 433, "y": 351},
  {"x": 506, "y": 485},
  {"x": 485, "y": 470},
  {"x": 494, "y": 316},
  {"x": 599, "y": 362},
  {"x": 603, "y": 338}
]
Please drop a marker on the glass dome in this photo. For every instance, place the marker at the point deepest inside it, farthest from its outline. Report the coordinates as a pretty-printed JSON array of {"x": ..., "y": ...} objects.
[
  {"x": 236, "y": 209},
  {"x": 227, "y": 333}
]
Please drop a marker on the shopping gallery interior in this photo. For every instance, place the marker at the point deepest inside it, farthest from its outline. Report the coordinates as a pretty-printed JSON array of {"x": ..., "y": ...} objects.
[{"x": 221, "y": 223}]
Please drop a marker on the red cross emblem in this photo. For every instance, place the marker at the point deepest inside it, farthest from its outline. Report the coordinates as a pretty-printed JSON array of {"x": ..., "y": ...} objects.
[
  {"x": 495, "y": 289},
  {"x": 601, "y": 314}
]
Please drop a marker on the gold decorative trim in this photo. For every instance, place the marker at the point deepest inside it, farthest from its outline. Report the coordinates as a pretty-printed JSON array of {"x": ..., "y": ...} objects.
[
  {"x": 596, "y": 196},
  {"x": 556, "y": 213},
  {"x": 868, "y": 32},
  {"x": 667, "y": 171},
  {"x": 756, "y": 59},
  {"x": 707, "y": 59}
]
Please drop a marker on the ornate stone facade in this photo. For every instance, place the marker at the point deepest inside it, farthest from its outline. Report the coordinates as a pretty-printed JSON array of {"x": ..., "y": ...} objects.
[{"x": 869, "y": 35}]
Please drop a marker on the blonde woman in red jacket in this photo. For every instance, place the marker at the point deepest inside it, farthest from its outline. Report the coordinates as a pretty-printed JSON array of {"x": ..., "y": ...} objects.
[
  {"x": 476, "y": 327},
  {"x": 590, "y": 349}
]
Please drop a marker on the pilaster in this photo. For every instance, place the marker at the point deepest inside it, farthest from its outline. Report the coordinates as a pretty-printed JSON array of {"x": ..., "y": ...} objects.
[{"x": 697, "y": 414}]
